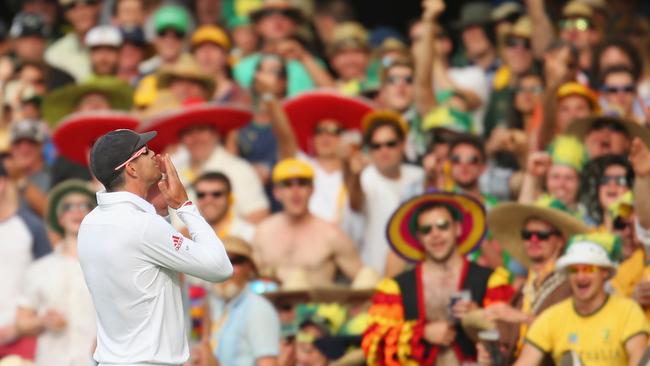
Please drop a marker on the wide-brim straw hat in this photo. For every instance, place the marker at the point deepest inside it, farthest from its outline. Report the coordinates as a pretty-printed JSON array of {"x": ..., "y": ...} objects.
[
  {"x": 185, "y": 68},
  {"x": 581, "y": 127},
  {"x": 507, "y": 220}
]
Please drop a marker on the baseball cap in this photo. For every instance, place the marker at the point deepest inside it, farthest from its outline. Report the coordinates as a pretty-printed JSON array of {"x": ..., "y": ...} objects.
[
  {"x": 104, "y": 35},
  {"x": 292, "y": 168},
  {"x": 211, "y": 34},
  {"x": 134, "y": 35},
  {"x": 171, "y": 16},
  {"x": 29, "y": 24},
  {"x": 113, "y": 149},
  {"x": 28, "y": 129}
]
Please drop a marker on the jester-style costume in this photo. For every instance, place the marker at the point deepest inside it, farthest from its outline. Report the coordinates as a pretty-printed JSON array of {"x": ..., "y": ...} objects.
[{"x": 397, "y": 319}]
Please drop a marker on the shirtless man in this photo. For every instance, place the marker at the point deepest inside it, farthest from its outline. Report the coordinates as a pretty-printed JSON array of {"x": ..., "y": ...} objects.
[{"x": 295, "y": 238}]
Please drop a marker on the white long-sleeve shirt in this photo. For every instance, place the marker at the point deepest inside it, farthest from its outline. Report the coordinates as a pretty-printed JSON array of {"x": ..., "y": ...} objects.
[{"x": 131, "y": 259}]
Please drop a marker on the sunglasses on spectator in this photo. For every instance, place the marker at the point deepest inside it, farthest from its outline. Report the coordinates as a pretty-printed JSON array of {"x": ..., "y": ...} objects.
[
  {"x": 518, "y": 42},
  {"x": 539, "y": 234},
  {"x": 619, "y": 224},
  {"x": 612, "y": 89},
  {"x": 619, "y": 180},
  {"x": 441, "y": 225},
  {"x": 143, "y": 151},
  {"x": 581, "y": 24},
  {"x": 457, "y": 159},
  {"x": 74, "y": 4},
  {"x": 300, "y": 182},
  {"x": 328, "y": 129},
  {"x": 214, "y": 194},
  {"x": 237, "y": 260},
  {"x": 584, "y": 268},
  {"x": 83, "y": 206},
  {"x": 396, "y": 79},
  {"x": 391, "y": 144},
  {"x": 177, "y": 34},
  {"x": 531, "y": 89}
]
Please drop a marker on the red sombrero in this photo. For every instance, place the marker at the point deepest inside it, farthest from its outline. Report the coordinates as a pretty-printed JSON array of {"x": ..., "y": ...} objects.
[
  {"x": 169, "y": 125},
  {"x": 306, "y": 110},
  {"x": 75, "y": 136},
  {"x": 401, "y": 227}
]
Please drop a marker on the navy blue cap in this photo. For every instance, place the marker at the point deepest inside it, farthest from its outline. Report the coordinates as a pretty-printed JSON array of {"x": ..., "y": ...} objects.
[
  {"x": 113, "y": 149},
  {"x": 134, "y": 35}
]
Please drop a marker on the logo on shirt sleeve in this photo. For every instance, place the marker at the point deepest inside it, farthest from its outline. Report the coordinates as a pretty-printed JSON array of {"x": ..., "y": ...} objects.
[{"x": 177, "y": 241}]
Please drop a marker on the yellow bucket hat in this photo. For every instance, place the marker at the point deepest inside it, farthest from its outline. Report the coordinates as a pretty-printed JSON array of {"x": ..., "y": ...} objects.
[{"x": 568, "y": 150}]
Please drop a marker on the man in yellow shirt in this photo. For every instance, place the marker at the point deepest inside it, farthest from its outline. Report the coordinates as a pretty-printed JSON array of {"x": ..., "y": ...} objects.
[{"x": 592, "y": 326}]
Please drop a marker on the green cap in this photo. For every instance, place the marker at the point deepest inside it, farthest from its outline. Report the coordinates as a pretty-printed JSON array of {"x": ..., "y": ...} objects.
[
  {"x": 238, "y": 21},
  {"x": 172, "y": 17}
]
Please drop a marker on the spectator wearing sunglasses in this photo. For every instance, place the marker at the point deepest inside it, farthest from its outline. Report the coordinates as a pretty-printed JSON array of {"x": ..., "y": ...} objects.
[
  {"x": 535, "y": 236},
  {"x": 242, "y": 326},
  {"x": 592, "y": 327},
  {"x": 517, "y": 56},
  {"x": 605, "y": 180},
  {"x": 296, "y": 239},
  {"x": 618, "y": 90},
  {"x": 70, "y": 53},
  {"x": 397, "y": 93},
  {"x": 171, "y": 24},
  {"x": 55, "y": 304},
  {"x": 577, "y": 26},
  {"x": 214, "y": 199},
  {"x": 468, "y": 163},
  {"x": 376, "y": 189}
]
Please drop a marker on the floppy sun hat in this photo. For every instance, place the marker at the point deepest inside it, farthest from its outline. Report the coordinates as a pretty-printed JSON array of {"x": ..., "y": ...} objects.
[
  {"x": 402, "y": 226},
  {"x": 307, "y": 110},
  {"x": 75, "y": 136}
]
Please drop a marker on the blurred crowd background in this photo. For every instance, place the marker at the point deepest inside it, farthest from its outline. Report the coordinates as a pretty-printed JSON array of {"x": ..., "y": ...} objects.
[{"x": 320, "y": 139}]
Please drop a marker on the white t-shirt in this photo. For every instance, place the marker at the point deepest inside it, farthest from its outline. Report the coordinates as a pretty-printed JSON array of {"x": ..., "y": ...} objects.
[
  {"x": 326, "y": 201},
  {"x": 246, "y": 185},
  {"x": 15, "y": 257},
  {"x": 382, "y": 197},
  {"x": 56, "y": 282},
  {"x": 473, "y": 78}
]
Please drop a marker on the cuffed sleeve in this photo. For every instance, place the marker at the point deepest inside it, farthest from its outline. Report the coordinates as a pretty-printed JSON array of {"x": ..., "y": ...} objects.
[{"x": 202, "y": 256}]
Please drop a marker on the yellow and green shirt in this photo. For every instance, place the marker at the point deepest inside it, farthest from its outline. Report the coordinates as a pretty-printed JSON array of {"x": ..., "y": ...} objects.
[{"x": 597, "y": 339}]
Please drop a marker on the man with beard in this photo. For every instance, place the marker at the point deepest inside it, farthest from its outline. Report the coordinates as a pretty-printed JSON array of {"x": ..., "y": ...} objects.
[
  {"x": 104, "y": 42},
  {"x": 419, "y": 311},
  {"x": 296, "y": 239},
  {"x": 468, "y": 162},
  {"x": 592, "y": 326}
]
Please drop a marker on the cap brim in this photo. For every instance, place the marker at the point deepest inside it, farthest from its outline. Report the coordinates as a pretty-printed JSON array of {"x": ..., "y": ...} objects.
[
  {"x": 75, "y": 136},
  {"x": 169, "y": 126},
  {"x": 402, "y": 238},
  {"x": 581, "y": 127},
  {"x": 507, "y": 219},
  {"x": 308, "y": 109}
]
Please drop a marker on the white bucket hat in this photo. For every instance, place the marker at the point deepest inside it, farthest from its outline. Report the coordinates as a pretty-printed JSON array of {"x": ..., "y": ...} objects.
[{"x": 600, "y": 249}]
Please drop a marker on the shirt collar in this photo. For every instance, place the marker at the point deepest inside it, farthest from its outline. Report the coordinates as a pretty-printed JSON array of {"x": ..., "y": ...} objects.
[{"x": 110, "y": 198}]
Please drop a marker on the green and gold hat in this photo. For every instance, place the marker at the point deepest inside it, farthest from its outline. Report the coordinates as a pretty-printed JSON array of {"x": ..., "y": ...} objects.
[{"x": 569, "y": 151}]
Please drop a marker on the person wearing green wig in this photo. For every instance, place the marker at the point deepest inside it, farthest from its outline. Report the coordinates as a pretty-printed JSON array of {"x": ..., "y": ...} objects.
[{"x": 555, "y": 175}]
